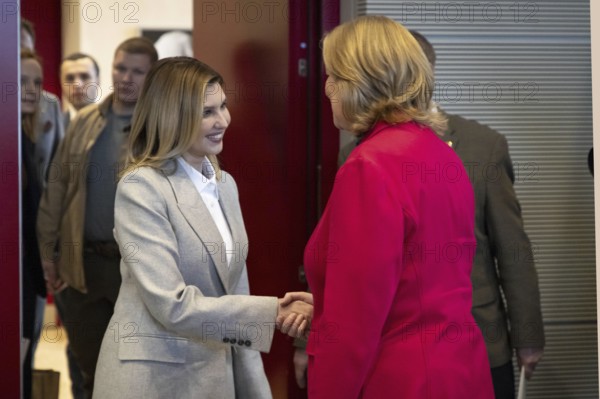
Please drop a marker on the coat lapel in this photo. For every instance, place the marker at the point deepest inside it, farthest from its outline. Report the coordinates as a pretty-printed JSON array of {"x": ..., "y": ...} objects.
[
  {"x": 199, "y": 218},
  {"x": 231, "y": 210},
  {"x": 450, "y": 137}
]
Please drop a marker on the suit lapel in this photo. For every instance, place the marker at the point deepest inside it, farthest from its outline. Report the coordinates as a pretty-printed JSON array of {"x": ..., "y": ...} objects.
[
  {"x": 199, "y": 218},
  {"x": 450, "y": 136},
  {"x": 230, "y": 207}
]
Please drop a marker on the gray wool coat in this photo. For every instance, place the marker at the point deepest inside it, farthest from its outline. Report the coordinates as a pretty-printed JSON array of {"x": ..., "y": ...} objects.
[{"x": 184, "y": 324}]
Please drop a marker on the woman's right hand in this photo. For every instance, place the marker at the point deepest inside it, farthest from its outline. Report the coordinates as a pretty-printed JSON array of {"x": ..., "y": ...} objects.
[{"x": 294, "y": 316}]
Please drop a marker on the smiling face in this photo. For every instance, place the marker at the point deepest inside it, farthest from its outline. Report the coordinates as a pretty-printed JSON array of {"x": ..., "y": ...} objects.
[
  {"x": 31, "y": 85},
  {"x": 79, "y": 82},
  {"x": 215, "y": 120}
]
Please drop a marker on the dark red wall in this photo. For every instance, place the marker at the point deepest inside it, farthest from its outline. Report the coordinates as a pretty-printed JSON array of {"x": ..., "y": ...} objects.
[
  {"x": 251, "y": 53},
  {"x": 281, "y": 146},
  {"x": 46, "y": 18},
  {"x": 330, "y": 135}
]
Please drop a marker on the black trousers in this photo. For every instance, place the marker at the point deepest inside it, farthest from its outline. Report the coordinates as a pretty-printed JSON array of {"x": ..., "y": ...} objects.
[
  {"x": 74, "y": 369},
  {"x": 86, "y": 316},
  {"x": 503, "y": 378}
]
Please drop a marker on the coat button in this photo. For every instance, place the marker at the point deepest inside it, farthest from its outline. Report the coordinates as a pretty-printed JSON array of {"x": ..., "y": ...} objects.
[
  {"x": 232, "y": 341},
  {"x": 241, "y": 342},
  {"x": 248, "y": 343},
  {"x": 226, "y": 340}
]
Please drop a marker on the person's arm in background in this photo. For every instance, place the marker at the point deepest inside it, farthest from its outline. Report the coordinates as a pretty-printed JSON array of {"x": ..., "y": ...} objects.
[
  {"x": 300, "y": 362},
  {"x": 51, "y": 208},
  {"x": 515, "y": 260},
  {"x": 300, "y": 355},
  {"x": 56, "y": 116}
]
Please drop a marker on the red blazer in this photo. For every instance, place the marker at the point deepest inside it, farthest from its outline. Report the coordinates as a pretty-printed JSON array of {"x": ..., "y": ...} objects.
[{"x": 389, "y": 266}]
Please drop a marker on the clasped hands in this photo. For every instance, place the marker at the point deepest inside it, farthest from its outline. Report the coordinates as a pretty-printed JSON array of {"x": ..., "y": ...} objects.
[{"x": 294, "y": 314}]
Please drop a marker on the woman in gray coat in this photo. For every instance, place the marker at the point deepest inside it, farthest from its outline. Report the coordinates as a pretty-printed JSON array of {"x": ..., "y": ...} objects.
[{"x": 185, "y": 325}]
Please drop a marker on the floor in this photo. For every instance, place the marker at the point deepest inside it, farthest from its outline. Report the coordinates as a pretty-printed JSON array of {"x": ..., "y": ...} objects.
[{"x": 50, "y": 353}]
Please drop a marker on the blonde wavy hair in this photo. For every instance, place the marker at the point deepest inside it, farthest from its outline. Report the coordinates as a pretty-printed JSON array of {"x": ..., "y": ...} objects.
[
  {"x": 168, "y": 114},
  {"x": 380, "y": 73}
]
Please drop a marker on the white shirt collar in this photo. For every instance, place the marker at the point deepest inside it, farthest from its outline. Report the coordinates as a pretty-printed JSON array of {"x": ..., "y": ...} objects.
[
  {"x": 205, "y": 181},
  {"x": 207, "y": 188}
]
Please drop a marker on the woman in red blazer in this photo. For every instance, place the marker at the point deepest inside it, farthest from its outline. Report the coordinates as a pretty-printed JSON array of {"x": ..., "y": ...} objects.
[{"x": 389, "y": 263}]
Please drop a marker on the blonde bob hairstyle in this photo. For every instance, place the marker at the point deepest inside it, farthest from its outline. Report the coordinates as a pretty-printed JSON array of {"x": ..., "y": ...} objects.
[
  {"x": 168, "y": 114},
  {"x": 380, "y": 73}
]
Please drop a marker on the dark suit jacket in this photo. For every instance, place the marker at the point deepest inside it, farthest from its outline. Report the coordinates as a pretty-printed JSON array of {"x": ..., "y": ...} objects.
[{"x": 504, "y": 258}]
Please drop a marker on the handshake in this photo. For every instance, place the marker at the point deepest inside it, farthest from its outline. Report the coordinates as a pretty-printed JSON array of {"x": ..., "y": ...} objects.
[{"x": 294, "y": 314}]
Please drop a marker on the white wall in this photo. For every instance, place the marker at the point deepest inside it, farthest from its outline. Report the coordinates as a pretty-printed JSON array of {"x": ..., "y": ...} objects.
[{"x": 98, "y": 27}]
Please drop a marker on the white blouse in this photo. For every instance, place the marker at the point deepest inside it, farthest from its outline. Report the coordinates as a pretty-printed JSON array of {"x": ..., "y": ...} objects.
[{"x": 206, "y": 184}]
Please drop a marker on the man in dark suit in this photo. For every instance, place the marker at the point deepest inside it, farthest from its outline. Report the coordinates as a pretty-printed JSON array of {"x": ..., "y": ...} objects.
[
  {"x": 503, "y": 265},
  {"x": 504, "y": 258}
]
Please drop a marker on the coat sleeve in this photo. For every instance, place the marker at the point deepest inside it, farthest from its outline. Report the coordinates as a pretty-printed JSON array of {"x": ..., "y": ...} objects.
[
  {"x": 60, "y": 127},
  {"x": 514, "y": 252},
  {"x": 51, "y": 133},
  {"x": 51, "y": 209},
  {"x": 150, "y": 254},
  {"x": 362, "y": 269}
]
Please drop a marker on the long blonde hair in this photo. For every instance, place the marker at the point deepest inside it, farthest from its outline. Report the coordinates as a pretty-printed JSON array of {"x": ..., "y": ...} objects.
[
  {"x": 380, "y": 73},
  {"x": 168, "y": 114},
  {"x": 29, "y": 121}
]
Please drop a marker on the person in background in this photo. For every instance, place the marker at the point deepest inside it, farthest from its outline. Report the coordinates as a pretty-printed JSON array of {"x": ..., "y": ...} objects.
[
  {"x": 194, "y": 330},
  {"x": 32, "y": 281},
  {"x": 43, "y": 132},
  {"x": 80, "y": 81},
  {"x": 392, "y": 309},
  {"x": 79, "y": 78},
  {"x": 76, "y": 216},
  {"x": 49, "y": 121},
  {"x": 504, "y": 261},
  {"x": 27, "y": 36}
]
